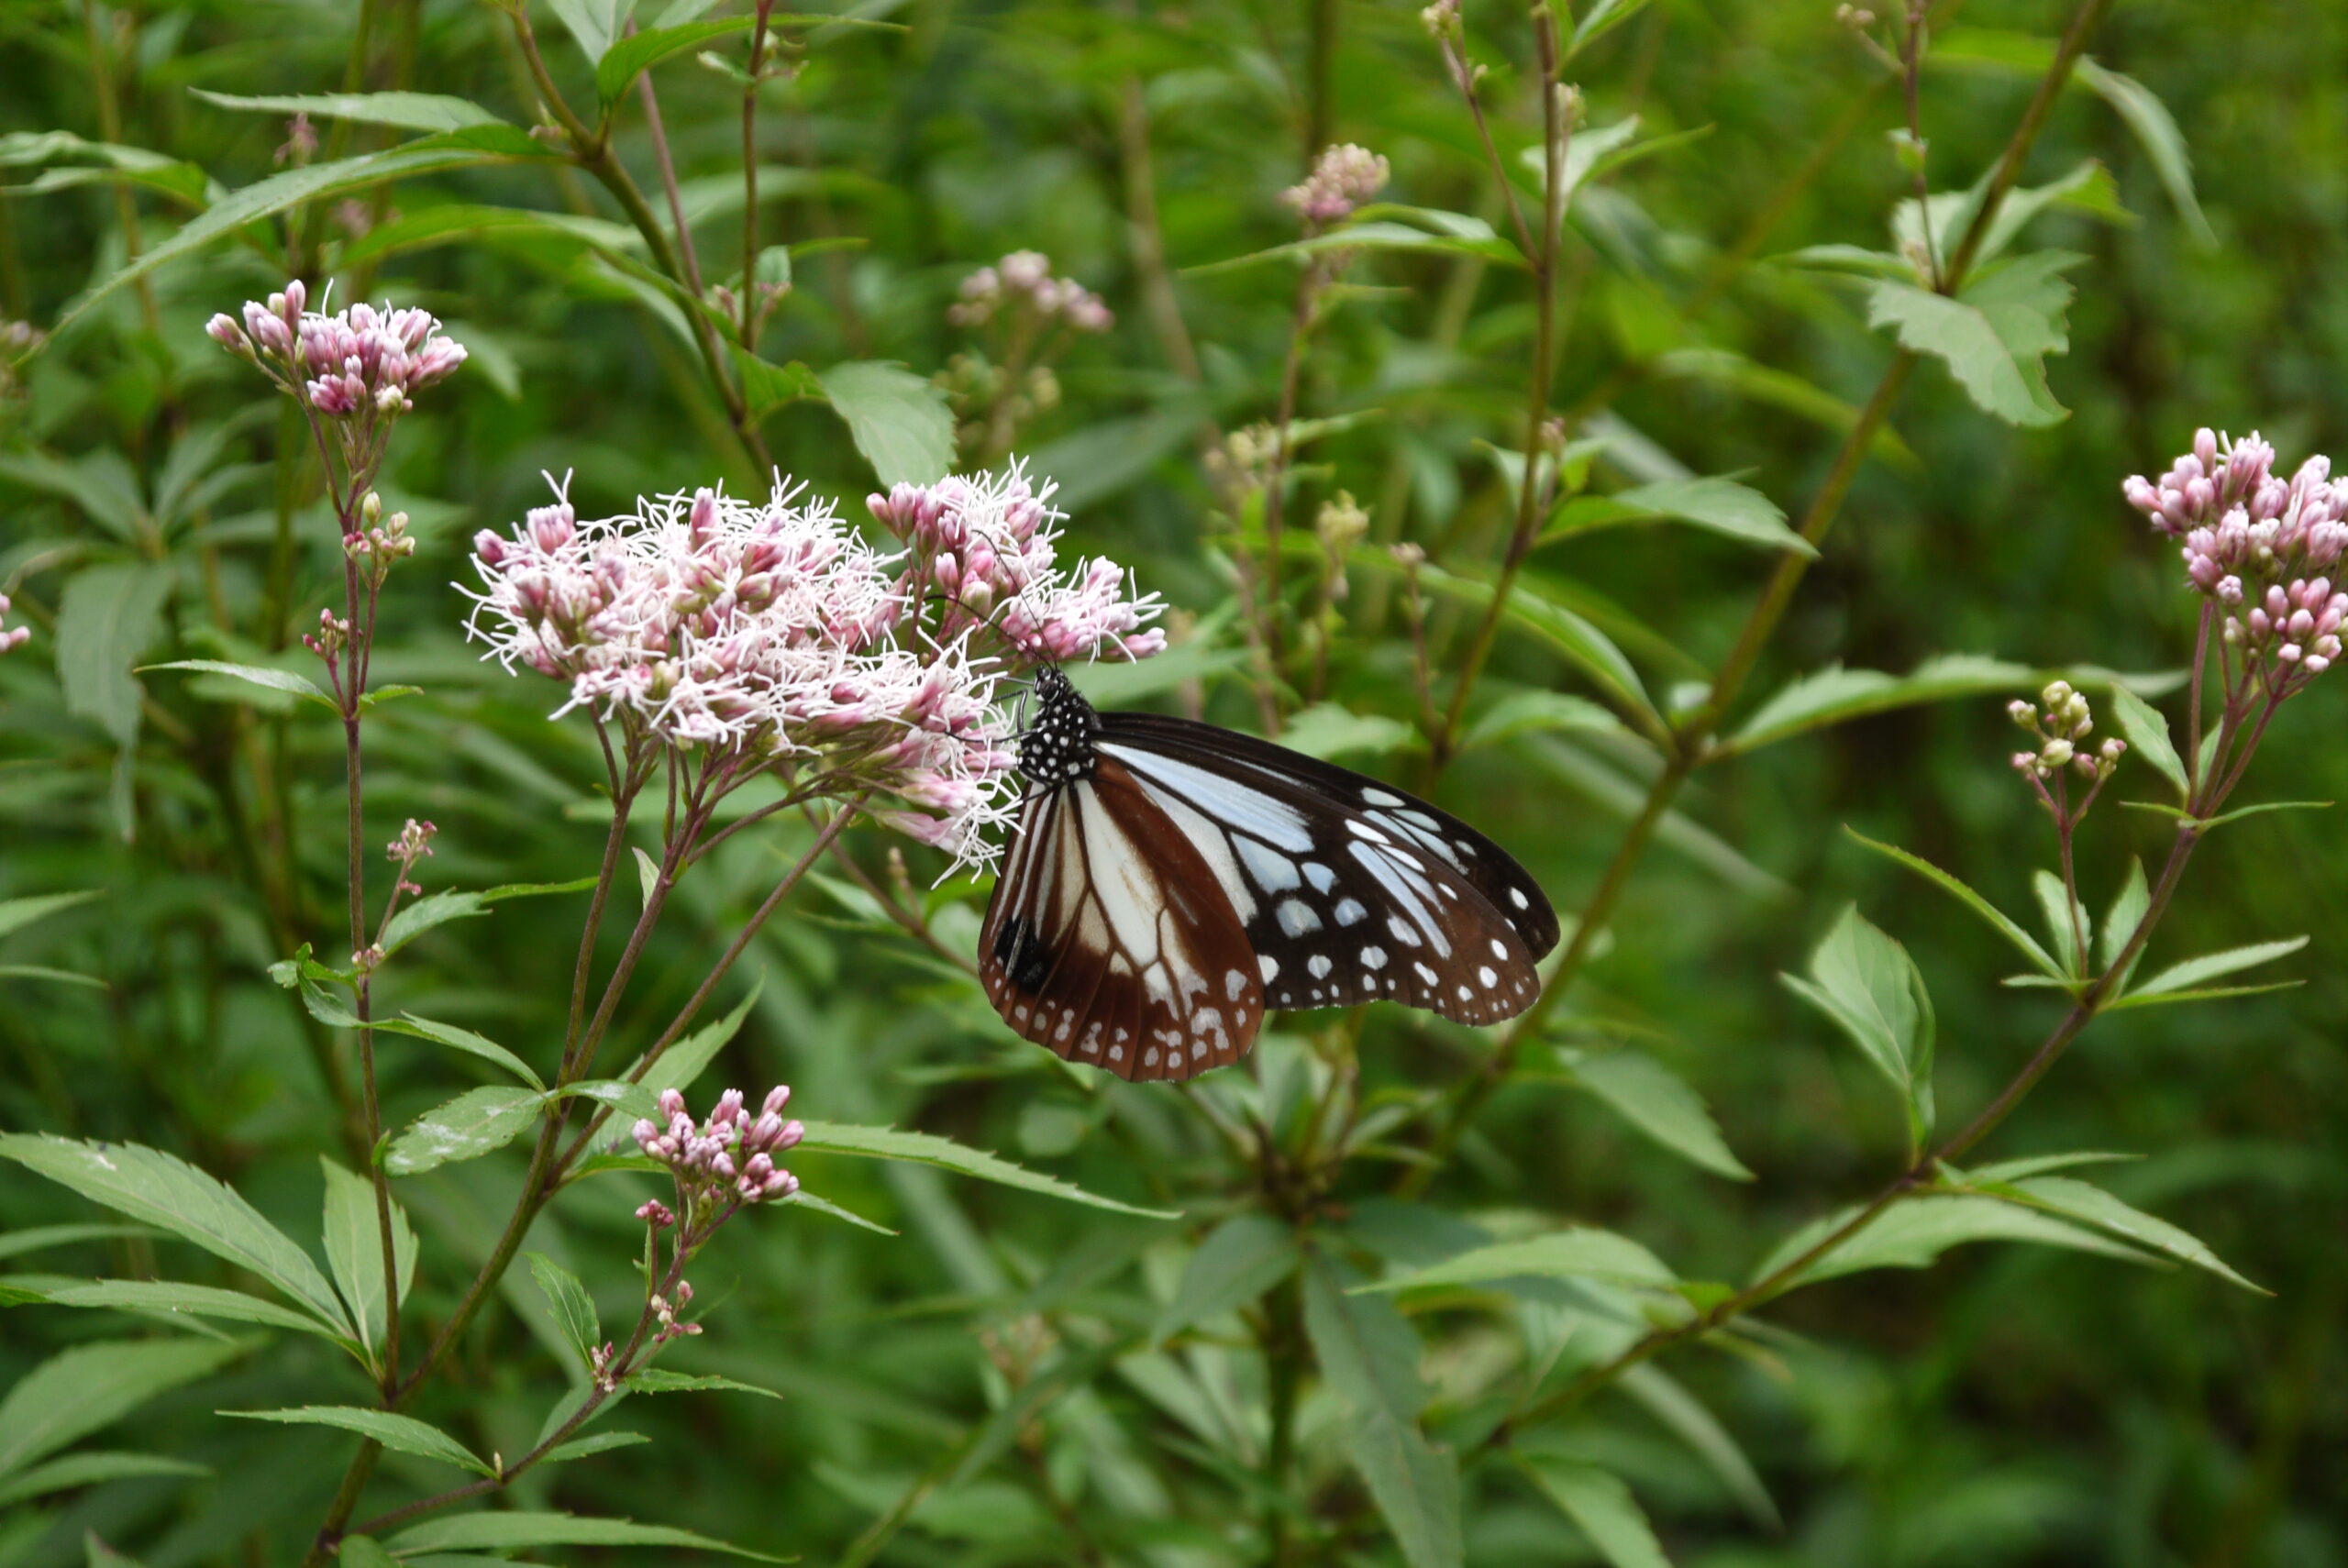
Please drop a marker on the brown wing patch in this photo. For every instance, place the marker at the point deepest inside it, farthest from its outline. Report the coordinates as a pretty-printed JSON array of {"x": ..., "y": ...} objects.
[{"x": 1109, "y": 941}]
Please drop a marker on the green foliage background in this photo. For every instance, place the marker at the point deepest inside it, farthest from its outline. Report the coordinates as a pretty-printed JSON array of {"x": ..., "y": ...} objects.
[{"x": 2011, "y": 1405}]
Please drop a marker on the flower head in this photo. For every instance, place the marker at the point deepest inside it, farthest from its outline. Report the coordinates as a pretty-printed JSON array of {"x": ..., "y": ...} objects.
[
  {"x": 1022, "y": 282},
  {"x": 2060, "y": 729},
  {"x": 1342, "y": 179},
  {"x": 724, "y": 1161}
]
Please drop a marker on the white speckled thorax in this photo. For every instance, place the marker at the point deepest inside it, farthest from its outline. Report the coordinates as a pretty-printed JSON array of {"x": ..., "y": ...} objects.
[{"x": 1057, "y": 749}]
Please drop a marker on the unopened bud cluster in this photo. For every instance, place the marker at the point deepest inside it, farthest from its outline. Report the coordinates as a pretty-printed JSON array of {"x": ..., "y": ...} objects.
[
  {"x": 378, "y": 540},
  {"x": 1022, "y": 286},
  {"x": 413, "y": 844},
  {"x": 2061, "y": 727},
  {"x": 11, "y": 637},
  {"x": 2265, "y": 550},
  {"x": 1343, "y": 178},
  {"x": 358, "y": 364},
  {"x": 725, "y": 1160}
]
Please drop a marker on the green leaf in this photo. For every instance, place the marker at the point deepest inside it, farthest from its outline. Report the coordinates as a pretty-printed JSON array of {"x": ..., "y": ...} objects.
[
  {"x": 1581, "y": 1253},
  {"x": 2092, "y": 1206},
  {"x": 20, "y": 150},
  {"x": 1240, "y": 1260},
  {"x": 37, "y": 972},
  {"x": 1601, "y": 19},
  {"x": 2203, "y": 993},
  {"x": 568, "y": 1304},
  {"x": 407, "y": 111},
  {"x": 471, "y": 1125},
  {"x": 2054, "y": 907},
  {"x": 79, "y": 1391},
  {"x": 602, "y": 1442},
  {"x": 1695, "y": 1426},
  {"x": 355, "y": 1248},
  {"x": 2147, "y": 733},
  {"x": 463, "y": 1040},
  {"x": 685, "y": 1061},
  {"x": 766, "y": 386},
  {"x": 253, "y": 674},
  {"x": 647, "y": 874},
  {"x": 899, "y": 421},
  {"x": 164, "y": 1297},
  {"x": 1538, "y": 712},
  {"x": 18, "y": 913},
  {"x": 926, "y": 1148},
  {"x": 2259, "y": 811},
  {"x": 2156, "y": 131},
  {"x": 89, "y": 1469},
  {"x": 165, "y": 1191},
  {"x": 517, "y": 1530},
  {"x": 105, "y": 620},
  {"x": 438, "y": 909},
  {"x": 1833, "y": 695},
  {"x": 1659, "y": 1103},
  {"x": 404, "y": 1433},
  {"x": 2193, "y": 971},
  {"x": 1369, "y": 1357},
  {"x": 1601, "y": 1508},
  {"x": 1914, "y": 1232},
  {"x": 2087, "y": 188},
  {"x": 628, "y": 58},
  {"x": 594, "y": 24},
  {"x": 365, "y": 1551},
  {"x": 1717, "y": 505},
  {"x": 1993, "y": 337},
  {"x": 660, "y": 1380},
  {"x": 1867, "y": 986},
  {"x": 475, "y": 223},
  {"x": 1385, "y": 225},
  {"x": 2128, "y": 910},
  {"x": 102, "y": 483},
  {"x": 1971, "y": 900},
  {"x": 1327, "y": 730},
  {"x": 15, "y": 1243},
  {"x": 2039, "y": 1164},
  {"x": 803, "y": 1198}
]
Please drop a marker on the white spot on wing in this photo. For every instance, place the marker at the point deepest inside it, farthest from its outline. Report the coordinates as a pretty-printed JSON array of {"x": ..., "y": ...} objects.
[
  {"x": 1297, "y": 917},
  {"x": 1319, "y": 965},
  {"x": 1349, "y": 911},
  {"x": 1373, "y": 957}
]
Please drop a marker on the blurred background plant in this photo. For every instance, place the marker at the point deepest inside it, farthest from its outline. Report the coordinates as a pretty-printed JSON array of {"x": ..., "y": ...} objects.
[{"x": 1858, "y": 323}]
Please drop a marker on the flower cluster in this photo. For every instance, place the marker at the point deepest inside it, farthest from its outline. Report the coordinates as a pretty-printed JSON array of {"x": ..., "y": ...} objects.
[
  {"x": 1022, "y": 284},
  {"x": 2263, "y": 548},
  {"x": 413, "y": 844},
  {"x": 2060, "y": 728},
  {"x": 357, "y": 364},
  {"x": 772, "y": 635},
  {"x": 1342, "y": 179},
  {"x": 724, "y": 1162},
  {"x": 11, "y": 637}
]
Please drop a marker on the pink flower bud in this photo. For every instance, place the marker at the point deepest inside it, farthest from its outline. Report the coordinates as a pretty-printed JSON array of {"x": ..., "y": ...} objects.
[
  {"x": 777, "y": 1098},
  {"x": 2205, "y": 449},
  {"x": 729, "y": 1108},
  {"x": 672, "y": 1103}
]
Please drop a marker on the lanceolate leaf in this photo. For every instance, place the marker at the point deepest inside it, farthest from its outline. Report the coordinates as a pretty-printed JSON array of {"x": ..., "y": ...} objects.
[
  {"x": 685, "y": 1061},
  {"x": 514, "y": 1531},
  {"x": 89, "y": 1469},
  {"x": 108, "y": 616},
  {"x": 165, "y": 1299},
  {"x": 2003, "y": 925},
  {"x": 573, "y": 1309},
  {"x": 78, "y": 1391},
  {"x": 1867, "y": 985},
  {"x": 355, "y": 1248},
  {"x": 407, "y": 111},
  {"x": 2147, "y": 732},
  {"x": 1659, "y": 1103},
  {"x": 2076, "y": 1199},
  {"x": 1240, "y": 1260},
  {"x": 1913, "y": 1233},
  {"x": 1717, "y": 505},
  {"x": 1835, "y": 695},
  {"x": 1369, "y": 1357},
  {"x": 2195, "y": 972},
  {"x": 1601, "y": 1505},
  {"x": 404, "y": 1433},
  {"x": 926, "y": 1148},
  {"x": 18, "y": 913},
  {"x": 471, "y": 1125},
  {"x": 165, "y": 1191},
  {"x": 1582, "y": 1253}
]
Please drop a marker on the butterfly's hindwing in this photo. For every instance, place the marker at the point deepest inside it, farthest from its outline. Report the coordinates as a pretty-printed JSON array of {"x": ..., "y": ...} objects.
[{"x": 1111, "y": 942}]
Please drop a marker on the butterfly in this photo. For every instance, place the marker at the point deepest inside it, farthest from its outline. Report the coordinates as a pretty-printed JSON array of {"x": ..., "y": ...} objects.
[{"x": 1169, "y": 881}]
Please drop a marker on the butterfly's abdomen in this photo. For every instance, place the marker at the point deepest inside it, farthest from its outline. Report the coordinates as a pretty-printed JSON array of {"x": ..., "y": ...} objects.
[{"x": 1057, "y": 749}]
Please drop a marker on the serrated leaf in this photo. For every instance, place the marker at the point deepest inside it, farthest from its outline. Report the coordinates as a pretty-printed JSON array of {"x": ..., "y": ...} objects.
[
  {"x": 1369, "y": 1357},
  {"x": 928, "y": 1149},
  {"x": 1833, "y": 694},
  {"x": 685, "y": 1061},
  {"x": 165, "y": 1299},
  {"x": 1582, "y": 1253},
  {"x": 2056, "y": 909},
  {"x": 600, "y": 1442},
  {"x": 355, "y": 1248},
  {"x": 1659, "y": 1103},
  {"x": 404, "y": 1433},
  {"x": 283, "y": 680},
  {"x": 2193, "y": 971},
  {"x": 1717, "y": 505},
  {"x": 660, "y": 1380},
  {"x": 102, "y": 483},
  {"x": 407, "y": 111},
  {"x": 1988, "y": 911},
  {"x": 517, "y": 1530},
  {"x": 572, "y": 1308},
  {"x": 91, "y": 1469},
  {"x": 163, "y": 1190},
  {"x": 438, "y": 909},
  {"x": 1993, "y": 337},
  {"x": 629, "y": 57},
  {"x": 464, "y": 1040},
  {"x": 1914, "y": 1232},
  {"x": 1601, "y": 1508},
  {"x": 899, "y": 421},
  {"x": 2148, "y": 735},
  {"x": 803, "y": 1198},
  {"x": 1239, "y": 1261},
  {"x": 474, "y": 1124},
  {"x": 2076, "y": 1199},
  {"x": 79, "y": 1391},
  {"x": 1867, "y": 984}
]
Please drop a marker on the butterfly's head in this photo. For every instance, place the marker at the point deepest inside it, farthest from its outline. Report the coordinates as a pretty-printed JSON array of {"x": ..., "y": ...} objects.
[{"x": 1057, "y": 747}]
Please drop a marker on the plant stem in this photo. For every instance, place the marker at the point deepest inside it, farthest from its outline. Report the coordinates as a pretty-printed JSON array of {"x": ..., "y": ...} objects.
[{"x": 750, "y": 171}]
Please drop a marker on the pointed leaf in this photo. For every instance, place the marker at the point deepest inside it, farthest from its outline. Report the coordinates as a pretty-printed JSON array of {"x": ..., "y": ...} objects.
[
  {"x": 1695, "y": 1426},
  {"x": 165, "y": 1191},
  {"x": 1601, "y": 1507},
  {"x": 1659, "y": 1103},
  {"x": 628, "y": 58},
  {"x": 463, "y": 1040},
  {"x": 1914, "y": 1232},
  {"x": 18, "y": 913},
  {"x": 2213, "y": 966},
  {"x": 355, "y": 1248},
  {"x": 572, "y": 1308},
  {"x": 474, "y": 1124},
  {"x": 1581, "y": 1253},
  {"x": 164, "y": 1297},
  {"x": 438, "y": 909},
  {"x": 1326, "y": 730},
  {"x": 928, "y": 1149},
  {"x": 898, "y": 420},
  {"x": 1718, "y": 505},
  {"x": 1373, "y": 1369},
  {"x": 105, "y": 619},
  {"x": 1865, "y": 983},
  {"x": 2157, "y": 132},
  {"x": 407, "y": 111},
  {"x": 1832, "y": 695},
  {"x": 2128, "y": 911},
  {"x": 685, "y": 1061},
  {"x": 79, "y": 1391},
  {"x": 2056, "y": 906},
  {"x": 2091, "y": 1205},
  {"x": 1971, "y": 900},
  {"x": 1993, "y": 337},
  {"x": 1538, "y": 712},
  {"x": 518, "y": 1530},
  {"x": 1241, "y": 1260},
  {"x": 2147, "y": 733},
  {"x": 89, "y": 1469},
  {"x": 404, "y": 1433},
  {"x": 254, "y": 675},
  {"x": 660, "y": 1380}
]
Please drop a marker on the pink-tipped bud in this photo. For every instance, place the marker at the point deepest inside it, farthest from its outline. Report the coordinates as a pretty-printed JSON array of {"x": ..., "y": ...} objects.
[
  {"x": 792, "y": 1133},
  {"x": 645, "y": 1134},
  {"x": 672, "y": 1103},
  {"x": 777, "y": 1098},
  {"x": 729, "y": 1108},
  {"x": 2205, "y": 449},
  {"x": 657, "y": 1215},
  {"x": 489, "y": 548}
]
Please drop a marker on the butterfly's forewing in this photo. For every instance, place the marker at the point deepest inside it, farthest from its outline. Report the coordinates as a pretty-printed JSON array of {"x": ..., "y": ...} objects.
[
  {"x": 1350, "y": 891},
  {"x": 1110, "y": 940}
]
